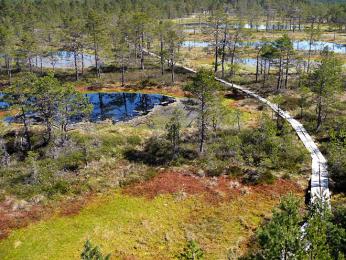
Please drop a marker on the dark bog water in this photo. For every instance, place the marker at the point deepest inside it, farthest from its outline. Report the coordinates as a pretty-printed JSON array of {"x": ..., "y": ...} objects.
[
  {"x": 116, "y": 106},
  {"x": 124, "y": 106},
  {"x": 3, "y": 105}
]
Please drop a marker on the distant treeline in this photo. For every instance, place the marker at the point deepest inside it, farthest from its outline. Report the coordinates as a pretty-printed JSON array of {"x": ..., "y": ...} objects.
[
  {"x": 32, "y": 29},
  {"x": 333, "y": 10}
]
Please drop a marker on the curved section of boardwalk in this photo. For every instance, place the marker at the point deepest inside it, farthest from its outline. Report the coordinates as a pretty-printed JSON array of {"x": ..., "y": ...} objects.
[{"x": 319, "y": 176}]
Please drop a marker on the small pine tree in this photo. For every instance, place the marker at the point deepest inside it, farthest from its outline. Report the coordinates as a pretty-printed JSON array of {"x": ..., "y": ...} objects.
[
  {"x": 192, "y": 251},
  {"x": 326, "y": 240},
  {"x": 280, "y": 238},
  {"x": 203, "y": 88},
  {"x": 173, "y": 131},
  {"x": 92, "y": 253}
]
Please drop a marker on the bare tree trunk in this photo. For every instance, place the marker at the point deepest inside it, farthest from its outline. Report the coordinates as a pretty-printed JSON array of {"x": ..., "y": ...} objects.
[
  {"x": 216, "y": 47},
  {"x": 122, "y": 71},
  {"x": 82, "y": 52},
  {"x": 9, "y": 69},
  {"x": 261, "y": 67},
  {"x": 310, "y": 48},
  {"x": 319, "y": 113},
  {"x": 264, "y": 72},
  {"x": 224, "y": 51},
  {"x": 257, "y": 66},
  {"x": 142, "y": 52},
  {"x": 233, "y": 54},
  {"x": 161, "y": 55},
  {"x": 75, "y": 64},
  {"x": 172, "y": 65},
  {"x": 319, "y": 108},
  {"x": 41, "y": 65},
  {"x": 96, "y": 57},
  {"x": 287, "y": 66},
  {"x": 202, "y": 127},
  {"x": 30, "y": 64},
  {"x": 26, "y": 130},
  {"x": 98, "y": 74},
  {"x": 278, "y": 86}
]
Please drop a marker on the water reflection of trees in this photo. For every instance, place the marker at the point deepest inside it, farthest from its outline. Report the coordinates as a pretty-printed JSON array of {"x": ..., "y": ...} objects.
[{"x": 122, "y": 106}]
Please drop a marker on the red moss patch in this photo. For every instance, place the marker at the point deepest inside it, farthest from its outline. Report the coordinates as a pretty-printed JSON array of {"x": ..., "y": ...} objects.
[
  {"x": 168, "y": 182},
  {"x": 215, "y": 189},
  {"x": 279, "y": 187},
  {"x": 13, "y": 218},
  {"x": 74, "y": 206}
]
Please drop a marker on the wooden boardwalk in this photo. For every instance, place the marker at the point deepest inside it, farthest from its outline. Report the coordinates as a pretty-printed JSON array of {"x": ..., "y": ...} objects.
[{"x": 319, "y": 188}]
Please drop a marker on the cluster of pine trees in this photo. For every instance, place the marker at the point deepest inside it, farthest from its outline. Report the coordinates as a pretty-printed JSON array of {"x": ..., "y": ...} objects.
[
  {"x": 293, "y": 234},
  {"x": 30, "y": 30}
]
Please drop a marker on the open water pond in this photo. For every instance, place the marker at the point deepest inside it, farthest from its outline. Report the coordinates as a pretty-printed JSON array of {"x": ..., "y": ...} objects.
[{"x": 115, "y": 106}]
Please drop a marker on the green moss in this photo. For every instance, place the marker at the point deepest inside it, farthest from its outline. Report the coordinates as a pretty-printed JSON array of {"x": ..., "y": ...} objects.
[
  {"x": 231, "y": 110},
  {"x": 144, "y": 228}
]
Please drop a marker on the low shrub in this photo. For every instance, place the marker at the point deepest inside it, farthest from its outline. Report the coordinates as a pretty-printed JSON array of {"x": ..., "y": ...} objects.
[
  {"x": 234, "y": 170},
  {"x": 336, "y": 151},
  {"x": 255, "y": 177},
  {"x": 134, "y": 140},
  {"x": 148, "y": 83},
  {"x": 215, "y": 167},
  {"x": 286, "y": 176},
  {"x": 156, "y": 151},
  {"x": 57, "y": 187},
  {"x": 112, "y": 140},
  {"x": 72, "y": 161},
  {"x": 110, "y": 146},
  {"x": 92, "y": 253},
  {"x": 339, "y": 215},
  {"x": 192, "y": 251},
  {"x": 186, "y": 154}
]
